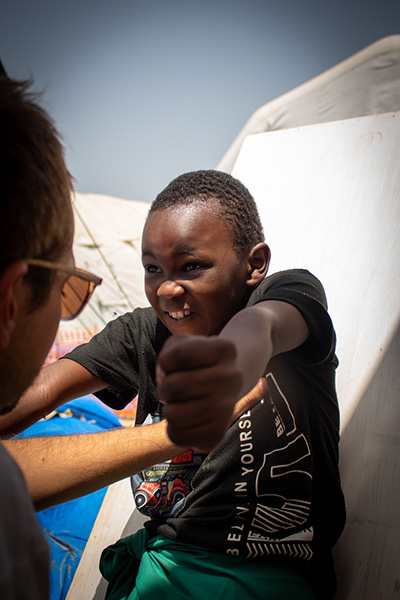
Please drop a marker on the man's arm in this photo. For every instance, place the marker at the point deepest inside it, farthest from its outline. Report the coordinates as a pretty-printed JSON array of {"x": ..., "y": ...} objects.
[
  {"x": 58, "y": 469},
  {"x": 201, "y": 379},
  {"x": 55, "y": 384}
]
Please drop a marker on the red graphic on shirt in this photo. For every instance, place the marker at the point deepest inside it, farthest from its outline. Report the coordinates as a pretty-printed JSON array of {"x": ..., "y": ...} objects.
[{"x": 160, "y": 494}]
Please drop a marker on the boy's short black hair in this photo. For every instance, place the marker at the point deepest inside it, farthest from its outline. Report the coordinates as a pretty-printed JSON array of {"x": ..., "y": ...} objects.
[{"x": 236, "y": 204}]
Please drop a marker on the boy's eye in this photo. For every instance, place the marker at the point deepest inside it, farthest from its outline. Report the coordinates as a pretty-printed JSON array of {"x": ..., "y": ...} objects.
[
  {"x": 151, "y": 269},
  {"x": 191, "y": 266}
]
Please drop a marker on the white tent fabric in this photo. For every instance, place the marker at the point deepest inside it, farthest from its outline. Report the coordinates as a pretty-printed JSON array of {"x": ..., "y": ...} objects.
[
  {"x": 334, "y": 209},
  {"x": 367, "y": 83},
  {"x": 107, "y": 242}
]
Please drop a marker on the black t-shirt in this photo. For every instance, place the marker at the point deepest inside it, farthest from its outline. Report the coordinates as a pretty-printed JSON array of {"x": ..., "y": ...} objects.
[
  {"x": 124, "y": 355},
  {"x": 271, "y": 489}
]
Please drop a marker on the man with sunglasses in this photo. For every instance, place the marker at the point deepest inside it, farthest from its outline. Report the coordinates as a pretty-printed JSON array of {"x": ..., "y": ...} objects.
[{"x": 36, "y": 228}]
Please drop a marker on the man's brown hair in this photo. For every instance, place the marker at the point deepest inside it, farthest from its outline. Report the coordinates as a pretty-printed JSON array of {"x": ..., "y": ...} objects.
[{"x": 35, "y": 186}]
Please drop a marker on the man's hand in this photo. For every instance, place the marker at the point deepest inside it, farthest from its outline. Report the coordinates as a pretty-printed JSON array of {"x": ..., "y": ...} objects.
[
  {"x": 199, "y": 384},
  {"x": 258, "y": 392}
]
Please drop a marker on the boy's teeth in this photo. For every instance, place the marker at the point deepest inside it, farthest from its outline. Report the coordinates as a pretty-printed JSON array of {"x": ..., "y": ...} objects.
[{"x": 180, "y": 314}]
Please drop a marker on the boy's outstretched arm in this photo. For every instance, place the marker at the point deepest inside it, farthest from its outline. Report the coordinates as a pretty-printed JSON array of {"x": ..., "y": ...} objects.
[
  {"x": 201, "y": 379},
  {"x": 55, "y": 384}
]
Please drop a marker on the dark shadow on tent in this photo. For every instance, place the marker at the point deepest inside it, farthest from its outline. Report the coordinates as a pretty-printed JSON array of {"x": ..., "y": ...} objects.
[{"x": 370, "y": 456}]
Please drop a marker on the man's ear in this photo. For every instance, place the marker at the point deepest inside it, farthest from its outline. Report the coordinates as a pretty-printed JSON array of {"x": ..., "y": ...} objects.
[
  {"x": 9, "y": 280},
  {"x": 259, "y": 259}
]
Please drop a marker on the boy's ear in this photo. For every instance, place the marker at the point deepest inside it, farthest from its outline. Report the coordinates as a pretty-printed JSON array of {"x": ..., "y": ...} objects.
[
  {"x": 9, "y": 279},
  {"x": 259, "y": 259}
]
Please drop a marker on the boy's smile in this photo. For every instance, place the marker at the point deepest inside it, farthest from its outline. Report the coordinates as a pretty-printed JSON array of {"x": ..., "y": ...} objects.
[{"x": 194, "y": 279}]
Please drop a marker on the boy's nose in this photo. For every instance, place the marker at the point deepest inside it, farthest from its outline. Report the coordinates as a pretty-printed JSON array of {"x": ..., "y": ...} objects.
[{"x": 170, "y": 289}]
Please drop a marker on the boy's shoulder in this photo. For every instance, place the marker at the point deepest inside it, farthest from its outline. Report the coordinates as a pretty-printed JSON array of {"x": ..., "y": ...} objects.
[
  {"x": 304, "y": 291},
  {"x": 288, "y": 283}
]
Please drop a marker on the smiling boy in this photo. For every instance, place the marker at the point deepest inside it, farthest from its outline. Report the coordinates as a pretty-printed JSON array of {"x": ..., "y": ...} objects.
[
  {"x": 265, "y": 505},
  {"x": 39, "y": 284}
]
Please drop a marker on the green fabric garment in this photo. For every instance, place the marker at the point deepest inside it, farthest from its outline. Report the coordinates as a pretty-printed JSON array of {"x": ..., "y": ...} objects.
[{"x": 159, "y": 569}]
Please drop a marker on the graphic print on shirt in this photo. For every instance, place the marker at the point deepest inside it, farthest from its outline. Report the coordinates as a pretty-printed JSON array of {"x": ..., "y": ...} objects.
[
  {"x": 161, "y": 489},
  {"x": 275, "y": 523}
]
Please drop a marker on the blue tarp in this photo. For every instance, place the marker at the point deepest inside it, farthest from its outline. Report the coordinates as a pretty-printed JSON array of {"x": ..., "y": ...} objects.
[{"x": 67, "y": 527}]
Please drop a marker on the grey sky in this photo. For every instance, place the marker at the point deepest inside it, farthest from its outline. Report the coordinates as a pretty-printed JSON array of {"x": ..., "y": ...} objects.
[{"x": 143, "y": 90}]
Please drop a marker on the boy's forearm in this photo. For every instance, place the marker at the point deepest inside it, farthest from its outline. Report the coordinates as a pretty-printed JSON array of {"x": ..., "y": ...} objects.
[
  {"x": 55, "y": 384},
  {"x": 251, "y": 332},
  {"x": 58, "y": 469},
  {"x": 201, "y": 379}
]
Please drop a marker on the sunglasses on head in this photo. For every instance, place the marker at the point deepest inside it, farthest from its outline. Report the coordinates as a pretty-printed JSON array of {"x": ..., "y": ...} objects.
[{"x": 77, "y": 288}]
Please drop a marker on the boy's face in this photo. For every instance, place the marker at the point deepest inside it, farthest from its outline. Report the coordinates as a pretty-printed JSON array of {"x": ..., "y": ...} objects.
[{"x": 194, "y": 279}]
